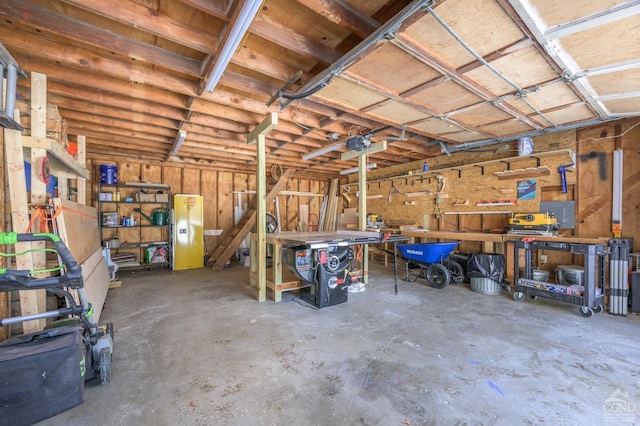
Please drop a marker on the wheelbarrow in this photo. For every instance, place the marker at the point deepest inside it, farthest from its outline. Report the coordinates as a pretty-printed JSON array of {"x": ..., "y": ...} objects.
[{"x": 431, "y": 262}]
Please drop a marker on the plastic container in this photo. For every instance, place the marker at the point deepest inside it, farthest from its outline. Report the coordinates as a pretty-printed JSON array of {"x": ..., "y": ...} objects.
[
  {"x": 485, "y": 286},
  {"x": 108, "y": 174},
  {"x": 537, "y": 275},
  {"x": 569, "y": 274},
  {"x": 525, "y": 146}
]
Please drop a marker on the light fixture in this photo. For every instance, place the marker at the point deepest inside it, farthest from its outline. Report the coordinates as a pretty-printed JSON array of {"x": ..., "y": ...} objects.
[
  {"x": 182, "y": 134},
  {"x": 327, "y": 149},
  {"x": 247, "y": 13},
  {"x": 355, "y": 169}
]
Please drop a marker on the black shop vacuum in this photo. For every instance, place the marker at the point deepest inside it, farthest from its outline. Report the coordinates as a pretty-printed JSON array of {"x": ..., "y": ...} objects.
[{"x": 43, "y": 374}]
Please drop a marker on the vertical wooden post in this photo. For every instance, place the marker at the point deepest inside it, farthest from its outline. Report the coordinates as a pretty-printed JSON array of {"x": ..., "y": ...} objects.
[
  {"x": 38, "y": 186},
  {"x": 20, "y": 216},
  {"x": 5, "y": 300},
  {"x": 362, "y": 217},
  {"x": 258, "y": 136},
  {"x": 82, "y": 159}
]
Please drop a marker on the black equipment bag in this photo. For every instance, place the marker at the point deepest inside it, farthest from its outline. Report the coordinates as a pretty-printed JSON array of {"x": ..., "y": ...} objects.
[{"x": 41, "y": 375}]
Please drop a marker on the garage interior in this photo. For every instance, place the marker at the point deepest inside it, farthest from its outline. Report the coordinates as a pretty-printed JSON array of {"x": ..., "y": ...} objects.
[{"x": 381, "y": 212}]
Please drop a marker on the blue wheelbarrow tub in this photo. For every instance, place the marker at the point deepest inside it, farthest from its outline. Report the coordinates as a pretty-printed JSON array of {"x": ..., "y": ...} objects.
[{"x": 427, "y": 252}]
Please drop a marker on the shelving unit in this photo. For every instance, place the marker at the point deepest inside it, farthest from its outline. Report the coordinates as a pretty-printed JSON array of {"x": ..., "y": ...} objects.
[
  {"x": 592, "y": 298},
  {"x": 121, "y": 201}
]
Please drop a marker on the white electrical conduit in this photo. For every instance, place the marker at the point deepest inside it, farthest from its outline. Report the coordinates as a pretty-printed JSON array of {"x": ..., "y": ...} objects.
[
  {"x": 521, "y": 92},
  {"x": 616, "y": 214}
]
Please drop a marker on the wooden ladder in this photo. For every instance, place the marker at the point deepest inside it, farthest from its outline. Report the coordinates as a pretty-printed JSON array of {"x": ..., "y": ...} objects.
[{"x": 232, "y": 239}]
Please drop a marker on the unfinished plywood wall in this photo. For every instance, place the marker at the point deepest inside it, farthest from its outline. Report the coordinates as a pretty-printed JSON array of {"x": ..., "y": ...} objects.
[
  {"x": 223, "y": 192},
  {"x": 477, "y": 194},
  {"x": 595, "y": 179},
  {"x": 469, "y": 179}
]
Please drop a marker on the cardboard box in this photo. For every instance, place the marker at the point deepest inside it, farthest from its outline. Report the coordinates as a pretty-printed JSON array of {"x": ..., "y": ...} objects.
[
  {"x": 162, "y": 198},
  {"x": 141, "y": 196}
]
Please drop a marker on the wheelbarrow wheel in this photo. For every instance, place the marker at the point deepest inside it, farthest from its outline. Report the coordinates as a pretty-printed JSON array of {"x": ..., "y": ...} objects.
[
  {"x": 438, "y": 276},
  {"x": 456, "y": 271}
]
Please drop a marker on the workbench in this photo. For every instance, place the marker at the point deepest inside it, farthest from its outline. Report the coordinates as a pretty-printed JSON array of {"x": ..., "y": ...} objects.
[{"x": 280, "y": 280}]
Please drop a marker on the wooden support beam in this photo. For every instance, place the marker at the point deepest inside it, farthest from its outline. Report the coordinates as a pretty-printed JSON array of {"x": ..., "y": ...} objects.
[
  {"x": 17, "y": 183},
  {"x": 373, "y": 148},
  {"x": 258, "y": 136},
  {"x": 81, "y": 183}
]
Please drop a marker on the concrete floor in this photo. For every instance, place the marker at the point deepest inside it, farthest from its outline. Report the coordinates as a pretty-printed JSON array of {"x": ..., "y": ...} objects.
[{"x": 195, "y": 348}]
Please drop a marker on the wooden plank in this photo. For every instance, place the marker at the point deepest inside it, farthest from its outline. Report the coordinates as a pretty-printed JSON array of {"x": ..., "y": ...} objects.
[
  {"x": 209, "y": 184},
  {"x": 191, "y": 181},
  {"x": 79, "y": 223},
  {"x": 14, "y": 161},
  {"x": 58, "y": 156},
  {"x": 5, "y": 300},
  {"x": 172, "y": 176},
  {"x": 38, "y": 184},
  {"x": 96, "y": 281},
  {"x": 81, "y": 183},
  {"x": 524, "y": 173},
  {"x": 231, "y": 239},
  {"x": 151, "y": 173}
]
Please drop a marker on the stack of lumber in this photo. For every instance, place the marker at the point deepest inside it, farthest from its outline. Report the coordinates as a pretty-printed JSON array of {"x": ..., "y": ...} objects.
[
  {"x": 331, "y": 211},
  {"x": 78, "y": 228}
]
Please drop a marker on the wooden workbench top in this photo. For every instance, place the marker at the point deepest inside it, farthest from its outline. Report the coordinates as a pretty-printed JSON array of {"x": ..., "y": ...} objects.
[
  {"x": 498, "y": 238},
  {"x": 453, "y": 235}
]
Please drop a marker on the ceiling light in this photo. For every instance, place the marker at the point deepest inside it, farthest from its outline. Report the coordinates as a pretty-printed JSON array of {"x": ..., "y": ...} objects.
[
  {"x": 178, "y": 143},
  {"x": 246, "y": 15},
  {"x": 325, "y": 150},
  {"x": 355, "y": 169}
]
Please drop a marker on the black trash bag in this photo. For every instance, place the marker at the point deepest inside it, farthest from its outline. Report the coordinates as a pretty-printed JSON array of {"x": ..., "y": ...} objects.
[{"x": 485, "y": 265}]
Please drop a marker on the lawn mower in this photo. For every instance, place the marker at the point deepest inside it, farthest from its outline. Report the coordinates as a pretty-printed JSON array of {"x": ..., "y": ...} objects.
[{"x": 43, "y": 373}]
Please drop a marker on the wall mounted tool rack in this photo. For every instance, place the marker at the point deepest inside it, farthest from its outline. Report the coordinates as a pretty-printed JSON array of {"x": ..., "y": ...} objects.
[
  {"x": 590, "y": 300},
  {"x": 508, "y": 173}
]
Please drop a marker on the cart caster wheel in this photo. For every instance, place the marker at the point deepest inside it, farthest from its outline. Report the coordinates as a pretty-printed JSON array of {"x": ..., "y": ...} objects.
[
  {"x": 507, "y": 288},
  {"x": 598, "y": 309},
  {"x": 533, "y": 297},
  {"x": 518, "y": 296},
  {"x": 586, "y": 312},
  {"x": 104, "y": 366}
]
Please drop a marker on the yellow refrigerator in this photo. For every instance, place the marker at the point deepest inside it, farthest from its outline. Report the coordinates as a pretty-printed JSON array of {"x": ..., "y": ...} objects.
[{"x": 188, "y": 232}]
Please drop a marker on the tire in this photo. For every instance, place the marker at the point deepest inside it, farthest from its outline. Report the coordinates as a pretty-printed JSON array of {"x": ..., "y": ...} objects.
[
  {"x": 586, "y": 312},
  {"x": 104, "y": 366},
  {"x": 518, "y": 296},
  {"x": 438, "y": 275},
  {"x": 598, "y": 309},
  {"x": 456, "y": 271}
]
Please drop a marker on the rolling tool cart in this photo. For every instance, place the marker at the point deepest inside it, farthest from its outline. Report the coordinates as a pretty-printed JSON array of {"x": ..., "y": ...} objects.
[
  {"x": 589, "y": 295},
  {"x": 43, "y": 373}
]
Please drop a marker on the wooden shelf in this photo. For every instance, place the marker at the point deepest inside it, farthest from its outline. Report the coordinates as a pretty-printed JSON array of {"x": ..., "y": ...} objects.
[
  {"x": 508, "y": 160},
  {"x": 59, "y": 158},
  {"x": 530, "y": 172}
]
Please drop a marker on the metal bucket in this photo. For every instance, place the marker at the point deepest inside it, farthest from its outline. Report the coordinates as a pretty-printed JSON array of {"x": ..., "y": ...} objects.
[
  {"x": 537, "y": 275},
  {"x": 569, "y": 274}
]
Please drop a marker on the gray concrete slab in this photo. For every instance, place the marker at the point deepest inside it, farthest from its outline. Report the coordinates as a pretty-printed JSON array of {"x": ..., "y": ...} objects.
[{"x": 196, "y": 348}]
